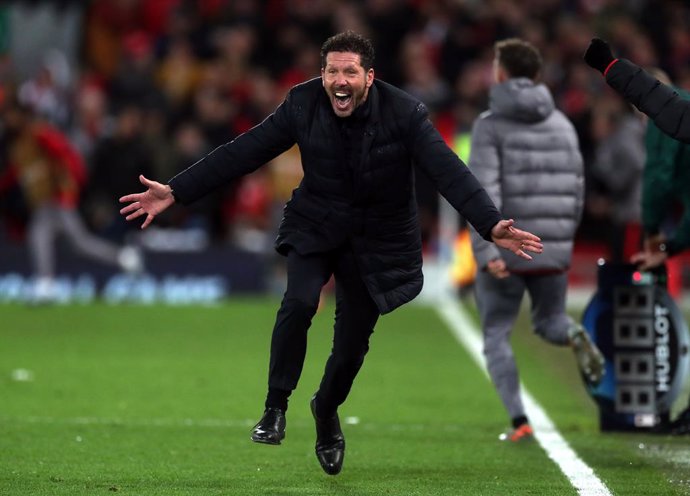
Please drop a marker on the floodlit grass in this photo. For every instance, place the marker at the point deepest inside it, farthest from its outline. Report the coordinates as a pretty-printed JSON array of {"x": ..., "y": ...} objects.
[{"x": 160, "y": 400}]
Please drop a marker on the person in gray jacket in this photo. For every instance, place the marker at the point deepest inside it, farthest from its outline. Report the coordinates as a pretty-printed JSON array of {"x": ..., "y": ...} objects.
[{"x": 526, "y": 154}]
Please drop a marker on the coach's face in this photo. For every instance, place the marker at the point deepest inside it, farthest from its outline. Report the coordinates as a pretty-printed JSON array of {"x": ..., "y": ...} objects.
[{"x": 346, "y": 82}]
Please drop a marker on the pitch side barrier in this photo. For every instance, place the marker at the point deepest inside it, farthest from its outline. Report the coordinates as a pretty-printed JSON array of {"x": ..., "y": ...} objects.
[{"x": 201, "y": 277}]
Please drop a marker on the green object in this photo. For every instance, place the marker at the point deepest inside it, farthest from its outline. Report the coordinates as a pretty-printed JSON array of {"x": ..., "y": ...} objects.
[
  {"x": 4, "y": 30},
  {"x": 462, "y": 145},
  {"x": 153, "y": 400},
  {"x": 665, "y": 181}
]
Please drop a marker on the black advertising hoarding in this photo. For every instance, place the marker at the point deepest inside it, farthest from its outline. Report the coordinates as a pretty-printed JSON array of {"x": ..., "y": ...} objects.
[
  {"x": 644, "y": 339},
  {"x": 174, "y": 277}
]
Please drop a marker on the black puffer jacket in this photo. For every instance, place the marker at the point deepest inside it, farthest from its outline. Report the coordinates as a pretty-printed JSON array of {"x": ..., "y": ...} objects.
[
  {"x": 669, "y": 111},
  {"x": 371, "y": 206}
]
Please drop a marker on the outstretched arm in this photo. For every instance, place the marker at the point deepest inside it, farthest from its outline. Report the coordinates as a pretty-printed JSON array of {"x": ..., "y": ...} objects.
[
  {"x": 151, "y": 202},
  {"x": 516, "y": 240},
  {"x": 669, "y": 111},
  {"x": 462, "y": 190}
]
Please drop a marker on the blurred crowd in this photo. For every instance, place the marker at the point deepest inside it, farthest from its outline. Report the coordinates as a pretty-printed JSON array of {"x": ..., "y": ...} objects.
[{"x": 150, "y": 86}]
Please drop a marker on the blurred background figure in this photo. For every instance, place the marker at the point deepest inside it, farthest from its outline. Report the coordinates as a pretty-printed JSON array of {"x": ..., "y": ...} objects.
[
  {"x": 665, "y": 200},
  {"x": 49, "y": 175},
  {"x": 526, "y": 154},
  {"x": 200, "y": 73},
  {"x": 48, "y": 92},
  {"x": 116, "y": 162},
  {"x": 666, "y": 213},
  {"x": 91, "y": 121},
  {"x": 619, "y": 159}
]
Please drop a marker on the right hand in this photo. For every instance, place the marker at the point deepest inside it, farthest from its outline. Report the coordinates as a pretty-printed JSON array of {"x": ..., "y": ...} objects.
[
  {"x": 598, "y": 55},
  {"x": 508, "y": 237},
  {"x": 497, "y": 268},
  {"x": 151, "y": 202}
]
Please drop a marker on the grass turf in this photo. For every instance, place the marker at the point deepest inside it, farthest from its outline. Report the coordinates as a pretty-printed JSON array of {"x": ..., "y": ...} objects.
[{"x": 160, "y": 400}]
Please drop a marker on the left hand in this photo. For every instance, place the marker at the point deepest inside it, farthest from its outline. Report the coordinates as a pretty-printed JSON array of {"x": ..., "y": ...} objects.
[
  {"x": 646, "y": 260},
  {"x": 151, "y": 202},
  {"x": 497, "y": 268},
  {"x": 516, "y": 240},
  {"x": 652, "y": 256}
]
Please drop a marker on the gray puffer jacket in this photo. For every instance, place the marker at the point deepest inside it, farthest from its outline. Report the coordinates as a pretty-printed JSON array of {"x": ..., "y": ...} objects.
[{"x": 526, "y": 154}]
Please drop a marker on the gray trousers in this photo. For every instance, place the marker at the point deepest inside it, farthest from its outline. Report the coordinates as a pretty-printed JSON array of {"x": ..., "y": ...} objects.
[
  {"x": 499, "y": 302},
  {"x": 47, "y": 222}
]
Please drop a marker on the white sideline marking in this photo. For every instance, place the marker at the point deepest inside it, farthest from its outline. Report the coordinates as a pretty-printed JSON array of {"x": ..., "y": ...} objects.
[{"x": 580, "y": 475}]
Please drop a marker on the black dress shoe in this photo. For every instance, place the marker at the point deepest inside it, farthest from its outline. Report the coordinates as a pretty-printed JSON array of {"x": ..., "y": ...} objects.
[
  {"x": 330, "y": 442},
  {"x": 271, "y": 427}
]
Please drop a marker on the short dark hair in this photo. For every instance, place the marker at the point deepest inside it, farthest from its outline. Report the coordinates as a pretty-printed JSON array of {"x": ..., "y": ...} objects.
[
  {"x": 349, "y": 41},
  {"x": 520, "y": 58}
]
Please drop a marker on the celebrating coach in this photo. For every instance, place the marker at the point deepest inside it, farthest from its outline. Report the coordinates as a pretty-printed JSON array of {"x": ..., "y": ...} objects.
[{"x": 353, "y": 216}]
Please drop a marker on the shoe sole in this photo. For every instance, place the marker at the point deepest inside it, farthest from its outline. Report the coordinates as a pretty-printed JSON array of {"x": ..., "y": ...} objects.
[
  {"x": 597, "y": 364},
  {"x": 262, "y": 440},
  {"x": 595, "y": 372}
]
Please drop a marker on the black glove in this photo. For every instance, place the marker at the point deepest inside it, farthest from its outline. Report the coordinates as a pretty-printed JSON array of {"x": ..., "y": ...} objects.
[{"x": 598, "y": 55}]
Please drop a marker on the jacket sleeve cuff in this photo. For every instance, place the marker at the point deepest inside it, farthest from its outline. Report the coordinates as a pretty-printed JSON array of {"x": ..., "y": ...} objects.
[
  {"x": 487, "y": 235},
  {"x": 608, "y": 67}
]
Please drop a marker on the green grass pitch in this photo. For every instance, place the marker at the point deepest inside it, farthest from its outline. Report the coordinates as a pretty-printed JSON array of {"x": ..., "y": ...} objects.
[{"x": 153, "y": 400}]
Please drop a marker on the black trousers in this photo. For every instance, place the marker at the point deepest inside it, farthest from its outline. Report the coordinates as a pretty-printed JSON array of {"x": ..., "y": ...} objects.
[{"x": 355, "y": 317}]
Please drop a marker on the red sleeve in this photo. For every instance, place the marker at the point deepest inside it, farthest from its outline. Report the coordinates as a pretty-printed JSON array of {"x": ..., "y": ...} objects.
[
  {"x": 8, "y": 178},
  {"x": 56, "y": 146}
]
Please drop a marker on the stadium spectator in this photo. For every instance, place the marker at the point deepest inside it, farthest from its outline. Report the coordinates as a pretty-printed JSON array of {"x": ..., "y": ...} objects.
[
  {"x": 106, "y": 26},
  {"x": 48, "y": 92},
  {"x": 617, "y": 167},
  {"x": 213, "y": 111},
  {"x": 420, "y": 73},
  {"x": 134, "y": 81},
  {"x": 249, "y": 213},
  {"x": 116, "y": 162},
  {"x": 179, "y": 73},
  {"x": 353, "y": 216},
  {"x": 50, "y": 174},
  {"x": 525, "y": 153},
  {"x": 91, "y": 121},
  {"x": 148, "y": 34},
  {"x": 187, "y": 147}
]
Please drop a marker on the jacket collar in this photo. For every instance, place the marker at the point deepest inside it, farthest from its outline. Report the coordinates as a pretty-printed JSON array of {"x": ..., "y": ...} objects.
[{"x": 373, "y": 103}]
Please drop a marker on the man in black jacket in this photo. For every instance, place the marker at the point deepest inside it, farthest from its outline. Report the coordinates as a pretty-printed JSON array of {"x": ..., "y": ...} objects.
[
  {"x": 669, "y": 111},
  {"x": 353, "y": 216}
]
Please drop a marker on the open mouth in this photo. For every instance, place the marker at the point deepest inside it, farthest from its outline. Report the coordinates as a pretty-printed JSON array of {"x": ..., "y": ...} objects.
[{"x": 342, "y": 99}]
